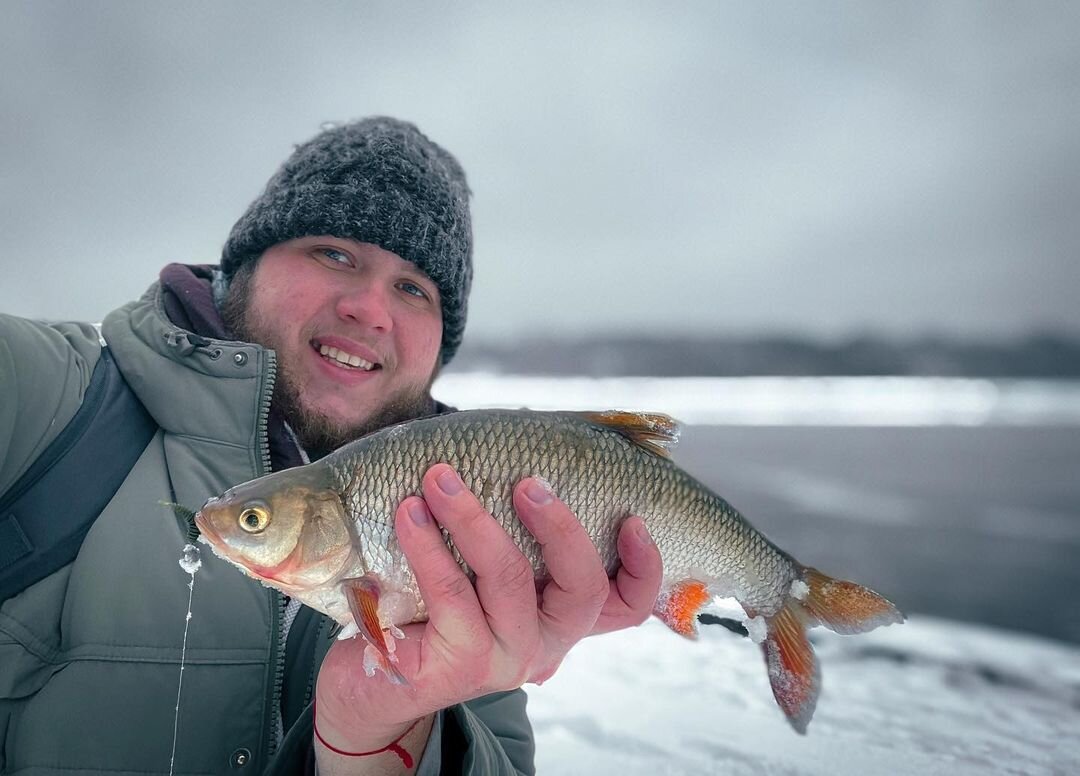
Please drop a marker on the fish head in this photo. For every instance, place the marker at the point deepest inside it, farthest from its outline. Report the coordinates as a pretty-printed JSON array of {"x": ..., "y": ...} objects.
[{"x": 286, "y": 531}]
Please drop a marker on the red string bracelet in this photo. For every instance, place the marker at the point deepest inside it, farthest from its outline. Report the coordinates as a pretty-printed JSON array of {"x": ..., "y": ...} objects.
[{"x": 394, "y": 746}]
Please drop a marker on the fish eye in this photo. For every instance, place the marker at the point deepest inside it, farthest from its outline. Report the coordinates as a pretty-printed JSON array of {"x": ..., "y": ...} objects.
[{"x": 254, "y": 520}]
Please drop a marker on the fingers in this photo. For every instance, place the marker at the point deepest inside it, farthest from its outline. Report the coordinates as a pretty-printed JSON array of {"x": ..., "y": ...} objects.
[
  {"x": 504, "y": 578},
  {"x": 498, "y": 610},
  {"x": 633, "y": 592},
  {"x": 453, "y": 608},
  {"x": 573, "y": 599}
]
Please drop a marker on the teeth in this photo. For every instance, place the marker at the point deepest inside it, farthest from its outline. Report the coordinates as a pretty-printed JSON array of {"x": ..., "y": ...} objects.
[{"x": 345, "y": 359}]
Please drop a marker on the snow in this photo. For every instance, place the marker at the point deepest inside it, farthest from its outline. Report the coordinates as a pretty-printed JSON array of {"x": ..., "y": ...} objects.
[{"x": 929, "y": 697}]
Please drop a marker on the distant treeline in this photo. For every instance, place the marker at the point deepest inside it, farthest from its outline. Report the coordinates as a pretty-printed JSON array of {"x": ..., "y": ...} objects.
[{"x": 1042, "y": 356}]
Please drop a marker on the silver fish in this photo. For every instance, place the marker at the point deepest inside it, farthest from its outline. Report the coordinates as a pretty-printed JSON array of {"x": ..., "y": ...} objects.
[{"x": 324, "y": 532}]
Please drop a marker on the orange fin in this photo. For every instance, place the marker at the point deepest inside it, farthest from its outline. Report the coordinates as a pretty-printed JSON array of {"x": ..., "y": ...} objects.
[
  {"x": 793, "y": 667},
  {"x": 652, "y": 431},
  {"x": 845, "y": 607},
  {"x": 375, "y": 658},
  {"x": 679, "y": 605},
  {"x": 362, "y": 593}
]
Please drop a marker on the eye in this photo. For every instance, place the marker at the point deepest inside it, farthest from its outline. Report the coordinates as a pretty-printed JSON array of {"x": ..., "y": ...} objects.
[
  {"x": 333, "y": 256},
  {"x": 412, "y": 289},
  {"x": 254, "y": 519}
]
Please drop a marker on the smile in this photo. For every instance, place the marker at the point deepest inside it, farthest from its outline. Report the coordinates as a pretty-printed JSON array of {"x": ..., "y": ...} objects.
[{"x": 343, "y": 359}]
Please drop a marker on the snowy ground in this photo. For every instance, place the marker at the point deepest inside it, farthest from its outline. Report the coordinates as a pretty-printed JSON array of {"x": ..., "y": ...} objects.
[
  {"x": 954, "y": 497},
  {"x": 928, "y": 697}
]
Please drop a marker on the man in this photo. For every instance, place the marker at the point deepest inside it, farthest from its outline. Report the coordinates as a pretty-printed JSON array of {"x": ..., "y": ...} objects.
[{"x": 341, "y": 292}]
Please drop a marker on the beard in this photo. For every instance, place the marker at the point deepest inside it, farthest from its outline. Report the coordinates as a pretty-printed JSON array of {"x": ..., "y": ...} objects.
[{"x": 317, "y": 433}]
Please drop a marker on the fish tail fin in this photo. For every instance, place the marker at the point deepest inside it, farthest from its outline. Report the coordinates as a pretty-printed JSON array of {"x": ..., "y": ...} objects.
[
  {"x": 841, "y": 606},
  {"x": 845, "y": 607},
  {"x": 793, "y": 667}
]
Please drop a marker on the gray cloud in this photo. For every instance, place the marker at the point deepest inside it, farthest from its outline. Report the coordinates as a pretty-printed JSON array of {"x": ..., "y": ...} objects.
[{"x": 817, "y": 168}]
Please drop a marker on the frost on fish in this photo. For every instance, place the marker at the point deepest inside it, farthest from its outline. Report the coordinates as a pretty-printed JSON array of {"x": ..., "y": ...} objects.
[
  {"x": 757, "y": 628},
  {"x": 678, "y": 605},
  {"x": 799, "y": 590}
]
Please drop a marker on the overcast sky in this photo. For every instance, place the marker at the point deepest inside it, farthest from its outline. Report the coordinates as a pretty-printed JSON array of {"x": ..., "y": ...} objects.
[{"x": 823, "y": 168}]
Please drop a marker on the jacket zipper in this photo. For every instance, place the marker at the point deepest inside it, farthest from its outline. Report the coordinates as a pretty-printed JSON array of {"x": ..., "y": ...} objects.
[
  {"x": 262, "y": 435},
  {"x": 276, "y": 662},
  {"x": 326, "y": 634},
  {"x": 276, "y": 675}
]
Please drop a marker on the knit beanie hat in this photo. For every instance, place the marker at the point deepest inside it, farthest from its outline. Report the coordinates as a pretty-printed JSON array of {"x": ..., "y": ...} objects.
[{"x": 381, "y": 181}]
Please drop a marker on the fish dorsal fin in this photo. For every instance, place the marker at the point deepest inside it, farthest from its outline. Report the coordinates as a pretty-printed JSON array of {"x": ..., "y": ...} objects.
[{"x": 652, "y": 431}]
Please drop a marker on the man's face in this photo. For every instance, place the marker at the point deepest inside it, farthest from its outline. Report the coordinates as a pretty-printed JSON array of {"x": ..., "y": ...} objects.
[{"x": 357, "y": 331}]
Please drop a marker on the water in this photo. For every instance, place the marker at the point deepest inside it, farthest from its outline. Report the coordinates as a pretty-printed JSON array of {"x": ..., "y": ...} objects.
[{"x": 191, "y": 563}]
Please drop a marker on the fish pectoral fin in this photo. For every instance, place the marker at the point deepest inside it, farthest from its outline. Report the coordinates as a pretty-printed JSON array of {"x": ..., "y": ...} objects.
[
  {"x": 678, "y": 606},
  {"x": 652, "y": 431},
  {"x": 363, "y": 593},
  {"x": 792, "y": 664}
]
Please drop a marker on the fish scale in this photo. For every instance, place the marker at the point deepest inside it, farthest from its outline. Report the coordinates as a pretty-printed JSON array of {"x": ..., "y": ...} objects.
[
  {"x": 324, "y": 532},
  {"x": 600, "y": 474}
]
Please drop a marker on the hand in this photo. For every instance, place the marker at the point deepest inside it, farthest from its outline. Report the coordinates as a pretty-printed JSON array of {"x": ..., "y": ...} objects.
[{"x": 495, "y": 634}]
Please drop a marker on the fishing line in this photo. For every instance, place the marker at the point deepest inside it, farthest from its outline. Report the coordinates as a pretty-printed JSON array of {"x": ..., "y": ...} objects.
[{"x": 190, "y": 562}]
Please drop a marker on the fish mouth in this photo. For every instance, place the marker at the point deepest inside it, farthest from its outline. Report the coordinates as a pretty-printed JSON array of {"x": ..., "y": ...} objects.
[
  {"x": 344, "y": 355},
  {"x": 206, "y": 532}
]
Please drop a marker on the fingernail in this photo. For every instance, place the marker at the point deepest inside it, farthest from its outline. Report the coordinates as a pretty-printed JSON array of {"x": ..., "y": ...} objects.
[
  {"x": 449, "y": 483},
  {"x": 538, "y": 492},
  {"x": 643, "y": 534},
  {"x": 419, "y": 513}
]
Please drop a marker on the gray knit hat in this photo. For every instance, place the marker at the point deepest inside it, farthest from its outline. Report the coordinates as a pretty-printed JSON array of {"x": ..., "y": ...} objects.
[{"x": 381, "y": 181}]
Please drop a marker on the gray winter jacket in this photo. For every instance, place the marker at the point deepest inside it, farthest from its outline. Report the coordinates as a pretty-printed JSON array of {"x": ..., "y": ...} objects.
[{"x": 90, "y": 655}]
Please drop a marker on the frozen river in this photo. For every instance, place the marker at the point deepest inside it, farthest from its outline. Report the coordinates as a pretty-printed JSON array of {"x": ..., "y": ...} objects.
[{"x": 974, "y": 523}]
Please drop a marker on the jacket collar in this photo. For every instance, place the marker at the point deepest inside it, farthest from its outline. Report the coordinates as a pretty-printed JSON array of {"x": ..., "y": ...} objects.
[{"x": 188, "y": 300}]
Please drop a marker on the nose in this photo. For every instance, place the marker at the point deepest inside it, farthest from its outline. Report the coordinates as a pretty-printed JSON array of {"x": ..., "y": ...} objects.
[{"x": 366, "y": 304}]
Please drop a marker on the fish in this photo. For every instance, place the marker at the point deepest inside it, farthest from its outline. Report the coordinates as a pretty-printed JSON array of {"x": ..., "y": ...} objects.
[{"x": 324, "y": 532}]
